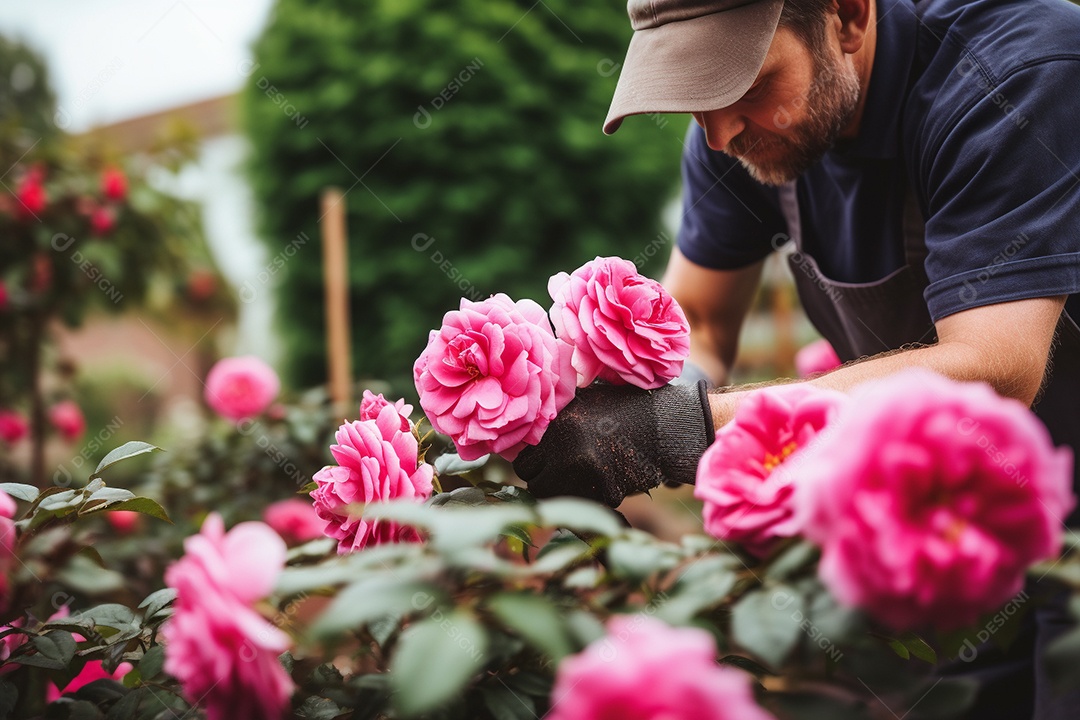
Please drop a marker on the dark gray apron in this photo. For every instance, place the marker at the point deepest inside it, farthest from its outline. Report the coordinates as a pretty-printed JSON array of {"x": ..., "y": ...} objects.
[{"x": 863, "y": 319}]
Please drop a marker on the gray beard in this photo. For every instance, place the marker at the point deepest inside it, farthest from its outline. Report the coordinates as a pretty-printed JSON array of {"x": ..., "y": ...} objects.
[{"x": 832, "y": 101}]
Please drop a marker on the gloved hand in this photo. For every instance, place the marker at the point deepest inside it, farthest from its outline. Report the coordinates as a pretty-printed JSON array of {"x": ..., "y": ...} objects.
[{"x": 615, "y": 440}]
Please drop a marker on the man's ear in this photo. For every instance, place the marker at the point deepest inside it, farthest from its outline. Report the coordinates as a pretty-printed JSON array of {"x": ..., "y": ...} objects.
[{"x": 854, "y": 16}]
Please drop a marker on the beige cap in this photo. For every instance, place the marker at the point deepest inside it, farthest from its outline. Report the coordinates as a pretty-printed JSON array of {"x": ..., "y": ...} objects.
[{"x": 691, "y": 55}]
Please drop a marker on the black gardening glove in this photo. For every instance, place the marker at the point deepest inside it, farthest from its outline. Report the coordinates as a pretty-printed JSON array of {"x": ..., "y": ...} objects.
[{"x": 615, "y": 440}]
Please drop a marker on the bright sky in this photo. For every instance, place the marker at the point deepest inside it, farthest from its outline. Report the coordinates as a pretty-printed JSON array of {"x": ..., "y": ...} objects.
[{"x": 115, "y": 59}]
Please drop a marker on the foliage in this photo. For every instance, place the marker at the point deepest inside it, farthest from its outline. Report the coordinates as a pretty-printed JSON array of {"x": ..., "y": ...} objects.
[
  {"x": 468, "y": 138},
  {"x": 473, "y": 622}
]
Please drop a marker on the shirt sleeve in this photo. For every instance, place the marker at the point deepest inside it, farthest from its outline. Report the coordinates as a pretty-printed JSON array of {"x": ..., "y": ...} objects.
[
  {"x": 729, "y": 220},
  {"x": 1003, "y": 191}
]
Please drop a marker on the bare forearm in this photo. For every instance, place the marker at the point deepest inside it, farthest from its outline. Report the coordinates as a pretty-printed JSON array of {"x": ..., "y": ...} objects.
[{"x": 956, "y": 360}]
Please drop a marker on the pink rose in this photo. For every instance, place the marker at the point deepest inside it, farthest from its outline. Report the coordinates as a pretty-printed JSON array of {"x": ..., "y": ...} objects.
[
  {"x": 9, "y": 644},
  {"x": 643, "y": 669},
  {"x": 8, "y": 540},
  {"x": 494, "y": 376},
  {"x": 223, "y": 652},
  {"x": 295, "y": 520},
  {"x": 746, "y": 478},
  {"x": 371, "y": 404},
  {"x": 91, "y": 671},
  {"x": 3, "y": 296},
  {"x": 931, "y": 498},
  {"x": 376, "y": 462},
  {"x": 242, "y": 387},
  {"x": 625, "y": 328},
  {"x": 13, "y": 426},
  {"x": 68, "y": 420},
  {"x": 817, "y": 357},
  {"x": 113, "y": 184}
]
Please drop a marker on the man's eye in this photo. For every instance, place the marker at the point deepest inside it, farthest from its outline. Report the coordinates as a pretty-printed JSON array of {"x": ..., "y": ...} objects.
[{"x": 756, "y": 92}]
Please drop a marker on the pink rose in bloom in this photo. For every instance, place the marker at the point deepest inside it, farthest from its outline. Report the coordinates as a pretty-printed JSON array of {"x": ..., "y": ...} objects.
[
  {"x": 124, "y": 522},
  {"x": 817, "y": 357},
  {"x": 931, "y": 498},
  {"x": 102, "y": 221},
  {"x": 295, "y": 520},
  {"x": 625, "y": 328},
  {"x": 223, "y": 652},
  {"x": 645, "y": 670},
  {"x": 747, "y": 477},
  {"x": 3, "y": 296},
  {"x": 371, "y": 404},
  {"x": 242, "y": 387},
  {"x": 92, "y": 671},
  {"x": 68, "y": 420},
  {"x": 494, "y": 376},
  {"x": 113, "y": 184},
  {"x": 376, "y": 462},
  {"x": 13, "y": 426}
]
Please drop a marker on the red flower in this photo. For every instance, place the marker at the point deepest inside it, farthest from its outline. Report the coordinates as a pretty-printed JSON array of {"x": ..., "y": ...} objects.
[
  {"x": 31, "y": 194},
  {"x": 102, "y": 221},
  {"x": 113, "y": 184},
  {"x": 68, "y": 420}
]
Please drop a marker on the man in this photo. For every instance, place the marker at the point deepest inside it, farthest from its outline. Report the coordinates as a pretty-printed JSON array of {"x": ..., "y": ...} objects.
[{"x": 922, "y": 158}]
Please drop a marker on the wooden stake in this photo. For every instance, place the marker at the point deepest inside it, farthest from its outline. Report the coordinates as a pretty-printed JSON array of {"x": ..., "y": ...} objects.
[{"x": 336, "y": 280}]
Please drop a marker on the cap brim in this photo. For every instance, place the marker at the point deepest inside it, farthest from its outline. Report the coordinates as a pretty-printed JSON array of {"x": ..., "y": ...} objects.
[{"x": 705, "y": 63}]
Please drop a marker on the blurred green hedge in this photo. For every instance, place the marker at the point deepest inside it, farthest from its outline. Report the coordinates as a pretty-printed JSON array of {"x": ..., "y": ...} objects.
[{"x": 468, "y": 135}]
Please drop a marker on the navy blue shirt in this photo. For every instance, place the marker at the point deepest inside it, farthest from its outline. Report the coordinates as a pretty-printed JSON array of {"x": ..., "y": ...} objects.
[{"x": 972, "y": 105}]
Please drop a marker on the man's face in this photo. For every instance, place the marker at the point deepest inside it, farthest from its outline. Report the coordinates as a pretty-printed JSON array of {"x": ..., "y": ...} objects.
[{"x": 802, "y": 101}]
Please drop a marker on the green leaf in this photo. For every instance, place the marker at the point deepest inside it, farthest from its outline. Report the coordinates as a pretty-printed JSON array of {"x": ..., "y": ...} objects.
[
  {"x": 899, "y": 648},
  {"x": 766, "y": 623},
  {"x": 103, "y": 498},
  {"x": 320, "y": 708},
  {"x": 452, "y": 464},
  {"x": 435, "y": 658},
  {"x": 790, "y": 561},
  {"x": 371, "y": 599},
  {"x": 114, "y": 615},
  {"x": 20, "y": 491},
  {"x": 1063, "y": 660},
  {"x": 54, "y": 651},
  {"x": 943, "y": 699},
  {"x": 156, "y": 601},
  {"x": 512, "y": 493},
  {"x": 638, "y": 559},
  {"x": 534, "y": 618},
  {"x": 84, "y": 575},
  {"x": 504, "y": 704},
  {"x": 919, "y": 648},
  {"x": 465, "y": 496},
  {"x": 125, "y": 451},
  {"x": 144, "y": 505},
  {"x": 578, "y": 514},
  {"x": 308, "y": 489},
  {"x": 152, "y": 662}
]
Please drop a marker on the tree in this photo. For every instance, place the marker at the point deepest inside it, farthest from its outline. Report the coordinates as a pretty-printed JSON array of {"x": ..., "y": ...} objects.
[{"x": 468, "y": 137}]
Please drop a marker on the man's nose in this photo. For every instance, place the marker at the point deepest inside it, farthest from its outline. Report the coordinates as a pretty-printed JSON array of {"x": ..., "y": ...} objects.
[{"x": 720, "y": 126}]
